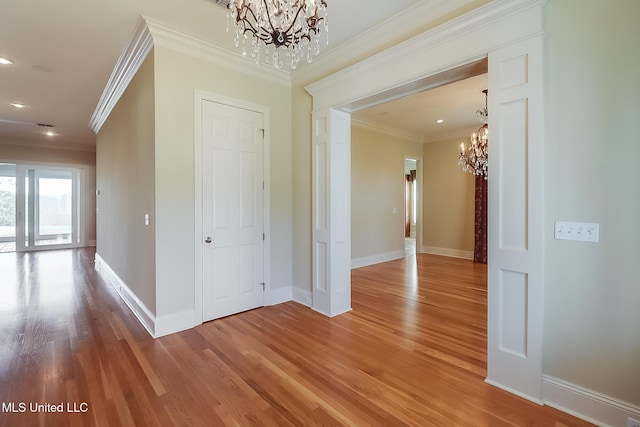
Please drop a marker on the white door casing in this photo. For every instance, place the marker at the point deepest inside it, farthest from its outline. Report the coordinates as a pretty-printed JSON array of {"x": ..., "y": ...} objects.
[
  {"x": 499, "y": 29},
  {"x": 419, "y": 199},
  {"x": 232, "y": 210}
]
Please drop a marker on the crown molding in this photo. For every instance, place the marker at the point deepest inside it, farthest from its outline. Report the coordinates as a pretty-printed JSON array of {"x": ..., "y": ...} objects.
[
  {"x": 52, "y": 145},
  {"x": 171, "y": 38},
  {"x": 130, "y": 60},
  {"x": 453, "y": 29},
  {"x": 387, "y": 130},
  {"x": 393, "y": 28},
  {"x": 149, "y": 33},
  {"x": 463, "y": 134}
]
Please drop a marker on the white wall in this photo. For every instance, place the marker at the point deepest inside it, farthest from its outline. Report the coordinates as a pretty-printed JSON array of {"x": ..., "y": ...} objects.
[
  {"x": 592, "y": 291},
  {"x": 177, "y": 77},
  {"x": 125, "y": 179}
]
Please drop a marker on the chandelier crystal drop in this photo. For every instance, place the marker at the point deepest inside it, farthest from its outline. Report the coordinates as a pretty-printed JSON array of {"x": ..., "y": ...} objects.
[
  {"x": 279, "y": 32},
  {"x": 475, "y": 159}
]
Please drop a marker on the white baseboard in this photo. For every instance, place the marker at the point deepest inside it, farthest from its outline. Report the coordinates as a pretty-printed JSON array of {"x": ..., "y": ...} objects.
[
  {"x": 513, "y": 391},
  {"x": 144, "y": 315},
  {"x": 278, "y": 295},
  {"x": 589, "y": 405},
  {"x": 175, "y": 322},
  {"x": 302, "y": 296},
  {"x": 454, "y": 253},
  {"x": 376, "y": 259}
]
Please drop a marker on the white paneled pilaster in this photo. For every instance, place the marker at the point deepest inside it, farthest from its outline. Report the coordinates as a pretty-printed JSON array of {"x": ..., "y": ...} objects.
[
  {"x": 331, "y": 207},
  {"x": 516, "y": 235}
]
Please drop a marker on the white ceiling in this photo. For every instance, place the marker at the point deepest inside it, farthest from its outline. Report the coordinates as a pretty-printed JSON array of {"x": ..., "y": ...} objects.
[
  {"x": 416, "y": 115},
  {"x": 65, "y": 50}
]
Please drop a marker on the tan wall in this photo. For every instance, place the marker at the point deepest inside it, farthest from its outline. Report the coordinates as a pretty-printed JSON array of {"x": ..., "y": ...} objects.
[
  {"x": 377, "y": 189},
  {"x": 177, "y": 77},
  {"x": 125, "y": 180},
  {"x": 449, "y": 195},
  {"x": 592, "y": 291},
  {"x": 15, "y": 151}
]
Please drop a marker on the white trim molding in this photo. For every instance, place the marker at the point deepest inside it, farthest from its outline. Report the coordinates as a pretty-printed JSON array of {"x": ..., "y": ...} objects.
[
  {"x": 174, "y": 39},
  {"x": 149, "y": 33},
  {"x": 130, "y": 60},
  {"x": 387, "y": 130},
  {"x": 62, "y": 145},
  {"x": 376, "y": 259},
  {"x": 156, "y": 326},
  {"x": 453, "y": 253},
  {"x": 392, "y": 68},
  {"x": 278, "y": 295},
  {"x": 410, "y": 19},
  {"x": 303, "y": 296},
  {"x": 144, "y": 315},
  {"x": 175, "y": 322},
  {"x": 589, "y": 405}
]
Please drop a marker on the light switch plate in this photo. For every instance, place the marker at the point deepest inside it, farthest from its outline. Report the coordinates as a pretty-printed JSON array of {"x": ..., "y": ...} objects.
[{"x": 580, "y": 231}]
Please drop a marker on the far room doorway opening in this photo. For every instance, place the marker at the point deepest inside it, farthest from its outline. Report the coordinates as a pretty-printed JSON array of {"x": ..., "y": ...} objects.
[{"x": 411, "y": 205}]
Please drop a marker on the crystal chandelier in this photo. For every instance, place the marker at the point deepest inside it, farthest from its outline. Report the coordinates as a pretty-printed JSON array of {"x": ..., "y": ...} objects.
[
  {"x": 289, "y": 30},
  {"x": 475, "y": 159}
]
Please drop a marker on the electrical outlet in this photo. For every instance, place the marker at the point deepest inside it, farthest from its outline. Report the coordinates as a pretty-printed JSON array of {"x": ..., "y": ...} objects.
[{"x": 632, "y": 423}]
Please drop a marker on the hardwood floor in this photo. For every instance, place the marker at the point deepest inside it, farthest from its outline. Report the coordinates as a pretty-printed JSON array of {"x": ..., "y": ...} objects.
[{"x": 412, "y": 352}]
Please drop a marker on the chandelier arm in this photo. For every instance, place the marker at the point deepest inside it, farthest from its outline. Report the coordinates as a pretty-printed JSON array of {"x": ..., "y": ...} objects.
[
  {"x": 250, "y": 28},
  {"x": 245, "y": 20},
  {"x": 264, "y": 37},
  {"x": 311, "y": 30},
  {"x": 293, "y": 21},
  {"x": 266, "y": 8}
]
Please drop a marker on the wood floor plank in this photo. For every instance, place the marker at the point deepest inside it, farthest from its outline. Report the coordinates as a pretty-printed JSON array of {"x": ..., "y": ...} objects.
[{"x": 411, "y": 352}]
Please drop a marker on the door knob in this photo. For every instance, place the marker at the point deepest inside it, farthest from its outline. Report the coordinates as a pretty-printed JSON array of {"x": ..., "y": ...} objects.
[{"x": 208, "y": 240}]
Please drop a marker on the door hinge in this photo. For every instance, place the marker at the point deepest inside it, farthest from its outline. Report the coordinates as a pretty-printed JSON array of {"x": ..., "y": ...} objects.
[
  {"x": 262, "y": 130},
  {"x": 263, "y": 236},
  {"x": 262, "y": 284}
]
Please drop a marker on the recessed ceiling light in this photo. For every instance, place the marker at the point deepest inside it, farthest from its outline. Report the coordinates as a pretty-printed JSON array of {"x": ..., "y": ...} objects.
[
  {"x": 5, "y": 61},
  {"x": 440, "y": 121},
  {"x": 18, "y": 105},
  {"x": 50, "y": 133}
]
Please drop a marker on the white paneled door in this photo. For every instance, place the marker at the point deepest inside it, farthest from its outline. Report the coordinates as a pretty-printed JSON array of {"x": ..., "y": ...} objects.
[{"x": 232, "y": 208}]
